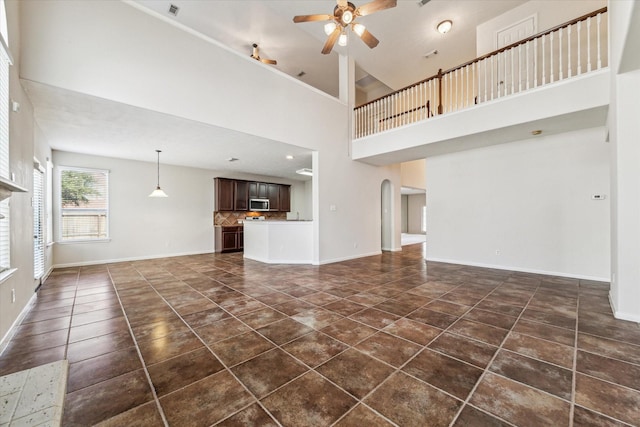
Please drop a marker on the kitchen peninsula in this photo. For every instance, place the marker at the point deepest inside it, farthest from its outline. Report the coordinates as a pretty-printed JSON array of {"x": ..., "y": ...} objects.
[{"x": 279, "y": 242}]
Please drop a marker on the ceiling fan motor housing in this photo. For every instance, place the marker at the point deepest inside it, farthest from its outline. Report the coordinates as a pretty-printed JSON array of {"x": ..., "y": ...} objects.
[{"x": 339, "y": 14}]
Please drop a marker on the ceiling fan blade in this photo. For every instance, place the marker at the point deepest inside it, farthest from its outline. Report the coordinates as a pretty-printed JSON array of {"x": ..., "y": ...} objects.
[
  {"x": 342, "y": 3},
  {"x": 269, "y": 61},
  {"x": 311, "y": 18},
  {"x": 375, "y": 6},
  {"x": 333, "y": 37},
  {"x": 369, "y": 39}
]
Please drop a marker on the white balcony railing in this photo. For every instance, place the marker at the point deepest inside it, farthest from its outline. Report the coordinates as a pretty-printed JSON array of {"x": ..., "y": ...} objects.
[{"x": 568, "y": 50}]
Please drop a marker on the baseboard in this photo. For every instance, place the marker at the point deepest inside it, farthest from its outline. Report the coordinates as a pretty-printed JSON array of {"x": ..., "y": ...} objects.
[
  {"x": 519, "y": 269},
  {"x": 347, "y": 258},
  {"x": 7, "y": 337},
  {"x": 621, "y": 315},
  {"x": 129, "y": 259},
  {"x": 279, "y": 261}
]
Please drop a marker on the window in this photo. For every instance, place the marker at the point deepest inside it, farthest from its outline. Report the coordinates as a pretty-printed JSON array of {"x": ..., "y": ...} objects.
[{"x": 84, "y": 204}]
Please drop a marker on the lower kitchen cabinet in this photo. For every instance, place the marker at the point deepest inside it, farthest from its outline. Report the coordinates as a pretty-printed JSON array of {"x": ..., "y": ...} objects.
[{"x": 229, "y": 238}]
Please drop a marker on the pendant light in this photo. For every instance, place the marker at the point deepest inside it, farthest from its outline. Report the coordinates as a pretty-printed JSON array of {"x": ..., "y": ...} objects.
[{"x": 158, "y": 191}]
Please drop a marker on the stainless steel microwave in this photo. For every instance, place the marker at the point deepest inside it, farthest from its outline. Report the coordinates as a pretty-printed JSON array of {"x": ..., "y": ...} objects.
[{"x": 258, "y": 204}]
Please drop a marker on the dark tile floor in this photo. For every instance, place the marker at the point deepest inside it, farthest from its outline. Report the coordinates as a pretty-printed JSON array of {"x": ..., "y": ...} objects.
[{"x": 378, "y": 341}]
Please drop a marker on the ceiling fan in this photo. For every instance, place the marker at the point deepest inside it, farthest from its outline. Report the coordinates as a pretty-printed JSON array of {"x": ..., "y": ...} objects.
[
  {"x": 255, "y": 55},
  {"x": 344, "y": 15}
]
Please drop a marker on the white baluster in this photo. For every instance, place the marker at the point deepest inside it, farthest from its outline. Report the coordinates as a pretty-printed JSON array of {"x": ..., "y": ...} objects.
[
  {"x": 513, "y": 72},
  {"x": 485, "y": 78},
  {"x": 588, "y": 44},
  {"x": 544, "y": 70},
  {"x": 560, "y": 70},
  {"x": 569, "y": 51},
  {"x": 519, "y": 68},
  {"x": 551, "y": 58},
  {"x": 535, "y": 62},
  {"x": 579, "y": 65},
  {"x": 599, "y": 19},
  {"x": 526, "y": 63}
]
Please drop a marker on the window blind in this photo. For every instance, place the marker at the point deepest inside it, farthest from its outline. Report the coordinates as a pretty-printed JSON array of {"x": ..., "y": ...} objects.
[{"x": 84, "y": 204}]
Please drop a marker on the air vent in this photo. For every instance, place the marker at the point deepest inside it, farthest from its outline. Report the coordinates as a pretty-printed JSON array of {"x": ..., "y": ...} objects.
[{"x": 173, "y": 9}]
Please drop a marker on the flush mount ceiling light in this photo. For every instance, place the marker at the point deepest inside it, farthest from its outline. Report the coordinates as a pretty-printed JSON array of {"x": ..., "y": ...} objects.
[
  {"x": 444, "y": 26},
  {"x": 289, "y": 157},
  {"x": 158, "y": 191},
  {"x": 536, "y": 132},
  {"x": 305, "y": 171}
]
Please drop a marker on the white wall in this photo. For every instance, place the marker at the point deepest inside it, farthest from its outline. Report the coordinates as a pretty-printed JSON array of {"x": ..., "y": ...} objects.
[
  {"x": 547, "y": 17},
  {"x": 165, "y": 68},
  {"x": 529, "y": 200},
  {"x": 21, "y": 153},
  {"x": 625, "y": 174},
  {"x": 413, "y": 174},
  {"x": 142, "y": 227},
  {"x": 415, "y": 203}
]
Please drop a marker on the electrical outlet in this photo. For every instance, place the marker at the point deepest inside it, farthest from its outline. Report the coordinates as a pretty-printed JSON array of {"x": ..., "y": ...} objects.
[{"x": 13, "y": 296}]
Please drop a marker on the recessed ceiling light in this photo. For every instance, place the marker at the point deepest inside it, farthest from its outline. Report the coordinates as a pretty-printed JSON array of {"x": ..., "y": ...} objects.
[
  {"x": 301, "y": 73},
  {"x": 232, "y": 159},
  {"x": 289, "y": 157},
  {"x": 444, "y": 26}
]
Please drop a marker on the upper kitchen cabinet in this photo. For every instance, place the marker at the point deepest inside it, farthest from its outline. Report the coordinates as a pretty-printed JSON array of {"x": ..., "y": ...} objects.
[
  {"x": 258, "y": 190},
  {"x": 273, "y": 194},
  {"x": 241, "y": 197},
  {"x": 225, "y": 194},
  {"x": 285, "y": 198}
]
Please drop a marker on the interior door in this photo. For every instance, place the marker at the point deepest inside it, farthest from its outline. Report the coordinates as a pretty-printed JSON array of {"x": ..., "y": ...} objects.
[
  {"x": 512, "y": 65},
  {"x": 38, "y": 224}
]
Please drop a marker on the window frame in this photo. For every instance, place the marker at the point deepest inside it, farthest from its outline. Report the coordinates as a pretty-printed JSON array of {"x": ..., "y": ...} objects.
[{"x": 60, "y": 239}]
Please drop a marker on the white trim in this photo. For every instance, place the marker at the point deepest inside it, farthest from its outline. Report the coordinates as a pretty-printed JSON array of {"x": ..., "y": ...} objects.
[
  {"x": 520, "y": 269},
  {"x": 620, "y": 315},
  {"x": 5, "y": 275},
  {"x": 346, "y": 258},
  {"x": 12, "y": 330},
  {"x": 279, "y": 261},
  {"x": 115, "y": 260}
]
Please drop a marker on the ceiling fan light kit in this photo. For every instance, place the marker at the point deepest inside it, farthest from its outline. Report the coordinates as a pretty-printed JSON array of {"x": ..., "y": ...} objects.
[
  {"x": 344, "y": 15},
  {"x": 444, "y": 26}
]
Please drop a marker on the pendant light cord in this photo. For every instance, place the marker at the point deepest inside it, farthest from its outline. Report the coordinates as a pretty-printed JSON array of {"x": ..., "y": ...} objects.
[{"x": 158, "y": 151}]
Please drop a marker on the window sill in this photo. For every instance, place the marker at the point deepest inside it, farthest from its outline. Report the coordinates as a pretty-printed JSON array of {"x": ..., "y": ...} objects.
[
  {"x": 5, "y": 275},
  {"x": 73, "y": 242}
]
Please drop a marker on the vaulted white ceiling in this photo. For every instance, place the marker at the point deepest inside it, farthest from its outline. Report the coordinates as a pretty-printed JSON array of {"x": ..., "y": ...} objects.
[{"x": 82, "y": 123}]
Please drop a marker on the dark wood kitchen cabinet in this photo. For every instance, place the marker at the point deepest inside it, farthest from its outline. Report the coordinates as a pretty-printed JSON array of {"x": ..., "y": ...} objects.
[
  {"x": 273, "y": 194},
  {"x": 225, "y": 189},
  {"x": 285, "y": 198},
  {"x": 241, "y": 196},
  {"x": 258, "y": 190},
  {"x": 229, "y": 238},
  {"x": 234, "y": 195}
]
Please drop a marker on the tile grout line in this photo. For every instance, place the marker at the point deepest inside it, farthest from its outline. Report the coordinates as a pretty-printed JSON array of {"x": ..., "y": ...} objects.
[
  {"x": 206, "y": 345},
  {"x": 486, "y": 369},
  {"x": 135, "y": 341}
]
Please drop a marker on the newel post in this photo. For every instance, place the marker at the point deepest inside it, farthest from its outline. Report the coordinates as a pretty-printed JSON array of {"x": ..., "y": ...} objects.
[{"x": 440, "y": 91}]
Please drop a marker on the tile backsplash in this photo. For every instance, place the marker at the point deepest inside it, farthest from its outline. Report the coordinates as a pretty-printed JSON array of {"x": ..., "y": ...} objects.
[{"x": 232, "y": 218}]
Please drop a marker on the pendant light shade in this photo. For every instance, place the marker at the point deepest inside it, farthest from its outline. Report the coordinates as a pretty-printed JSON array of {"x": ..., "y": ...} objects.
[{"x": 158, "y": 191}]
